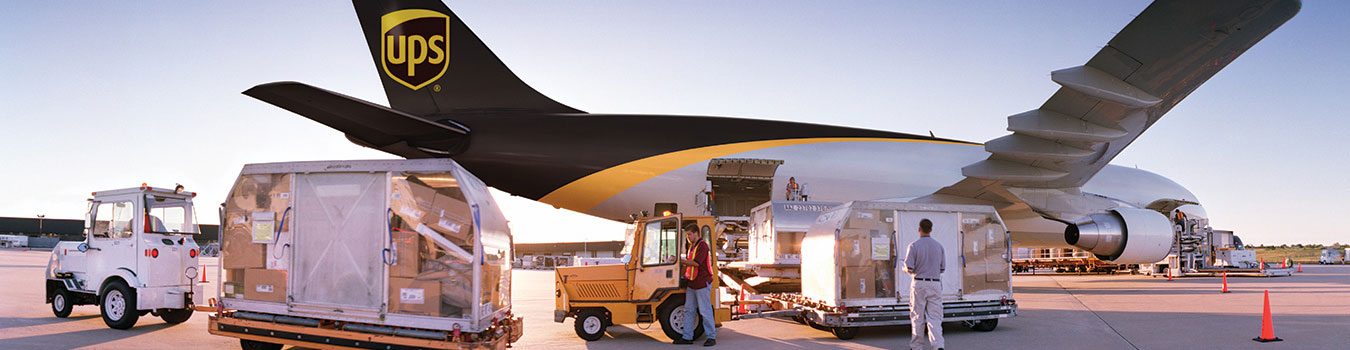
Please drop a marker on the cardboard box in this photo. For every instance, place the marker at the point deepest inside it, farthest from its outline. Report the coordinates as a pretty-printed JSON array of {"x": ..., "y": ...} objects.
[
  {"x": 423, "y": 195},
  {"x": 265, "y": 285},
  {"x": 451, "y": 218},
  {"x": 233, "y": 289},
  {"x": 237, "y": 248},
  {"x": 415, "y": 297},
  {"x": 855, "y": 250},
  {"x": 408, "y": 246},
  {"x": 863, "y": 219},
  {"x": 234, "y": 275},
  {"x": 858, "y": 282}
]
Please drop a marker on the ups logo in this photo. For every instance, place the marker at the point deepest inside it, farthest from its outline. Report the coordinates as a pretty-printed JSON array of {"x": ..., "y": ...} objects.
[{"x": 415, "y": 46}]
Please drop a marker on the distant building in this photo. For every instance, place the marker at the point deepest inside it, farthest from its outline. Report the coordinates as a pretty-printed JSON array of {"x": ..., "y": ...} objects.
[
  {"x": 604, "y": 249},
  {"x": 73, "y": 229}
]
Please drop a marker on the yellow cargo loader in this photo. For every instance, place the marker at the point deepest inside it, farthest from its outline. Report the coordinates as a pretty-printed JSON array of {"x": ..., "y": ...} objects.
[{"x": 644, "y": 288}]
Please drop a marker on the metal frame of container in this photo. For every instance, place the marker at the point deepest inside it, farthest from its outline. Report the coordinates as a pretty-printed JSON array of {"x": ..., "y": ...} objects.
[
  {"x": 770, "y": 220},
  {"x": 822, "y": 298},
  {"x": 488, "y": 222}
]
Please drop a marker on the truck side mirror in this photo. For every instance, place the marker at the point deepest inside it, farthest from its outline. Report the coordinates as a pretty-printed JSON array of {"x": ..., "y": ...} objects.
[
  {"x": 627, "y": 258},
  {"x": 84, "y": 247}
]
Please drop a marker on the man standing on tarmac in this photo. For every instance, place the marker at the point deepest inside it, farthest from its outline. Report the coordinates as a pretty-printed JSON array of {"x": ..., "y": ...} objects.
[
  {"x": 697, "y": 296},
  {"x": 925, "y": 262}
]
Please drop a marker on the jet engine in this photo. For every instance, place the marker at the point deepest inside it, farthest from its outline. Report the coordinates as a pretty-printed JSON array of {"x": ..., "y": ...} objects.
[{"x": 1123, "y": 235}]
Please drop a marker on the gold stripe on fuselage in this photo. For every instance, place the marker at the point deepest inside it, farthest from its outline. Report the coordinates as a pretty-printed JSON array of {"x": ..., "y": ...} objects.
[{"x": 584, "y": 194}]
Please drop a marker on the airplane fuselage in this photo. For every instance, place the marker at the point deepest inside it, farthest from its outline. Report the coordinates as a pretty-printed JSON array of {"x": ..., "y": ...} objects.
[{"x": 667, "y": 159}]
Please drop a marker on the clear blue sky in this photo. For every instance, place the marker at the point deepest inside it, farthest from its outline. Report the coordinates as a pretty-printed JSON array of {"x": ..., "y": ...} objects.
[{"x": 106, "y": 95}]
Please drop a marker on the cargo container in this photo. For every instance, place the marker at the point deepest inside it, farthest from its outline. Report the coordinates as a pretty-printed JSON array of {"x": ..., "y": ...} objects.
[
  {"x": 369, "y": 254},
  {"x": 852, "y": 273}
]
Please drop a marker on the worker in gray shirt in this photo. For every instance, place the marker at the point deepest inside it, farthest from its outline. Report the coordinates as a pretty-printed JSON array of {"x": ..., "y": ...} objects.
[{"x": 925, "y": 261}]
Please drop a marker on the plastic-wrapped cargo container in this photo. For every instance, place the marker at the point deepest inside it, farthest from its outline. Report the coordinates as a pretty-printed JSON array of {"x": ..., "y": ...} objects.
[
  {"x": 777, "y": 228},
  {"x": 853, "y": 254},
  {"x": 398, "y": 243}
]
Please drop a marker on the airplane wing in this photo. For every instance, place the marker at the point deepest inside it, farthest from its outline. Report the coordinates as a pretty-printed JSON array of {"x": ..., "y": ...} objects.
[{"x": 1101, "y": 107}]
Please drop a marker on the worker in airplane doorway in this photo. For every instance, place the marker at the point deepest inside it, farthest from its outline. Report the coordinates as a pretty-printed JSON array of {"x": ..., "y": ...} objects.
[
  {"x": 794, "y": 190},
  {"x": 697, "y": 295},
  {"x": 925, "y": 261}
]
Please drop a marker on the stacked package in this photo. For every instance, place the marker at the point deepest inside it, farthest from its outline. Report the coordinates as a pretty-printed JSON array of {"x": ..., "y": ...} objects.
[
  {"x": 432, "y": 231},
  {"x": 253, "y": 262},
  {"x": 866, "y": 255}
]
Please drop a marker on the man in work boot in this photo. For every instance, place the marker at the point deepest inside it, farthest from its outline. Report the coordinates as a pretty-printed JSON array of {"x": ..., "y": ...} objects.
[
  {"x": 925, "y": 261},
  {"x": 697, "y": 296}
]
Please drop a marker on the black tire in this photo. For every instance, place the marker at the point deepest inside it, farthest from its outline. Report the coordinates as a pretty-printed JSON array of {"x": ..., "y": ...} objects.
[
  {"x": 61, "y": 302},
  {"x": 176, "y": 316},
  {"x": 117, "y": 303},
  {"x": 799, "y": 318},
  {"x": 672, "y": 314},
  {"x": 816, "y": 326},
  {"x": 985, "y": 325},
  {"x": 844, "y": 333},
  {"x": 257, "y": 345},
  {"x": 590, "y": 324}
]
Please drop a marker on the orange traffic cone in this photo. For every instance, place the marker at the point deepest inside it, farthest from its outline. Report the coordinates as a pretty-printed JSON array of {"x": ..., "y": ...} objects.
[
  {"x": 1267, "y": 327},
  {"x": 1225, "y": 283},
  {"x": 1300, "y": 268},
  {"x": 1263, "y": 264},
  {"x": 203, "y": 275}
]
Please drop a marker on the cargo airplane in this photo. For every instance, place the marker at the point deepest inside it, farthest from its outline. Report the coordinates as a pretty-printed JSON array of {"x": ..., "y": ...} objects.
[{"x": 450, "y": 96}]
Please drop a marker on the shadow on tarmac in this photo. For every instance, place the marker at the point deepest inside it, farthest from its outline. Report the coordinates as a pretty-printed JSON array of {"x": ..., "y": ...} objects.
[{"x": 89, "y": 337}]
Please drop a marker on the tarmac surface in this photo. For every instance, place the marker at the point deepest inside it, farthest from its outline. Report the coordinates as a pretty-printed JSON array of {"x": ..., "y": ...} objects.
[{"x": 1311, "y": 311}]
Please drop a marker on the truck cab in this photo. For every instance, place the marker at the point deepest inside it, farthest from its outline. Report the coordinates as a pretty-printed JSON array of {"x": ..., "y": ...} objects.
[
  {"x": 138, "y": 257},
  {"x": 644, "y": 288}
]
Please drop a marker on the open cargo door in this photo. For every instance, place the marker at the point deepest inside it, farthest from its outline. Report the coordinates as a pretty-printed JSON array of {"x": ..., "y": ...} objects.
[
  {"x": 339, "y": 235},
  {"x": 740, "y": 184}
]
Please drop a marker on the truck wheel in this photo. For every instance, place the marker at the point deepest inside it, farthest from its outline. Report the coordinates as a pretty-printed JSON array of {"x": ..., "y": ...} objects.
[
  {"x": 673, "y": 319},
  {"x": 119, "y": 305},
  {"x": 176, "y": 316},
  {"x": 844, "y": 333},
  {"x": 590, "y": 325},
  {"x": 985, "y": 325},
  {"x": 257, "y": 345},
  {"x": 61, "y": 303}
]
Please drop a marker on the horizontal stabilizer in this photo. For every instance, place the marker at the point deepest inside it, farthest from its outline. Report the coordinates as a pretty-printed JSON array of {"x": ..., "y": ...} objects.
[{"x": 365, "y": 122}]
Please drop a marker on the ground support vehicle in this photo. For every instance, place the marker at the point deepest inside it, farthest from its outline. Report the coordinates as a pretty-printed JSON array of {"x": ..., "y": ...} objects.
[
  {"x": 1330, "y": 256},
  {"x": 138, "y": 257},
  {"x": 372, "y": 254},
  {"x": 13, "y": 241},
  {"x": 645, "y": 288},
  {"x": 852, "y": 278},
  {"x": 1061, "y": 260}
]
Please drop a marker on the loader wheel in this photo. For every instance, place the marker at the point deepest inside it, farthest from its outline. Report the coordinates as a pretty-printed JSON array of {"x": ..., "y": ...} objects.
[
  {"x": 985, "y": 325},
  {"x": 119, "y": 305},
  {"x": 673, "y": 319},
  {"x": 844, "y": 333},
  {"x": 176, "y": 316},
  {"x": 590, "y": 324},
  {"x": 257, "y": 345},
  {"x": 61, "y": 305}
]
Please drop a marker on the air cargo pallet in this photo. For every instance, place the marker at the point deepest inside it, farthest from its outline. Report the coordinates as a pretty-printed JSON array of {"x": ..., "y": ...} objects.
[{"x": 327, "y": 335}]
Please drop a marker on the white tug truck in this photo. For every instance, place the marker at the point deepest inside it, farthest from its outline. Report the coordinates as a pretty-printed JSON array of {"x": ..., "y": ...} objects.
[{"x": 138, "y": 257}]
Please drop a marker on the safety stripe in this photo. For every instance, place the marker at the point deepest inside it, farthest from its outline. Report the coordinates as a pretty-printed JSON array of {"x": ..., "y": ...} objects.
[{"x": 586, "y": 193}]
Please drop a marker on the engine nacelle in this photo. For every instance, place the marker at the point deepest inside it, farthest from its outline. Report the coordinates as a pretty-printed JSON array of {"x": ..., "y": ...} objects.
[{"x": 1123, "y": 235}]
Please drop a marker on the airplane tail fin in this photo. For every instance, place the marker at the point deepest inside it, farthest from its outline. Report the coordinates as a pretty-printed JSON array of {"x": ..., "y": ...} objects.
[{"x": 431, "y": 63}]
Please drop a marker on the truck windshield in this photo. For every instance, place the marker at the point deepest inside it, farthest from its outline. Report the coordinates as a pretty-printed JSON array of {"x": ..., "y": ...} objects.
[{"x": 169, "y": 215}]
